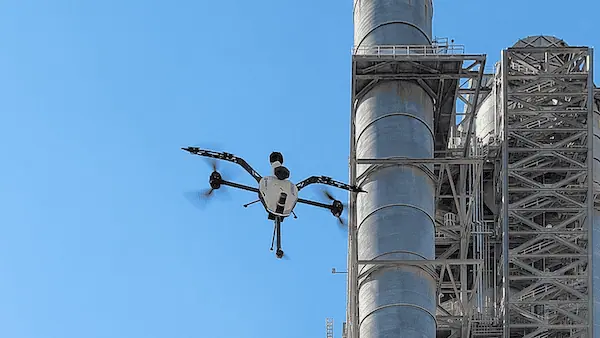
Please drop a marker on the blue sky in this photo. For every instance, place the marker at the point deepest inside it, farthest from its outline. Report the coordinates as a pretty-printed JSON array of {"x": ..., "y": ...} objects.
[{"x": 96, "y": 237}]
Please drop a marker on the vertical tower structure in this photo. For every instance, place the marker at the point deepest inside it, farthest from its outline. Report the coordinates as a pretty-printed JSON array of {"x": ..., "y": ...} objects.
[
  {"x": 407, "y": 152},
  {"x": 548, "y": 196},
  {"x": 395, "y": 220},
  {"x": 424, "y": 251}
]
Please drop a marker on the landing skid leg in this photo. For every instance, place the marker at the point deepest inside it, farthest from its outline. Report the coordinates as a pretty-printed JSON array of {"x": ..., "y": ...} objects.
[
  {"x": 279, "y": 252},
  {"x": 273, "y": 238}
]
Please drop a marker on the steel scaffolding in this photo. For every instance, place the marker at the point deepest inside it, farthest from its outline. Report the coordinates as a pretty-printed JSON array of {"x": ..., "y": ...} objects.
[
  {"x": 439, "y": 69},
  {"x": 547, "y": 174},
  {"x": 514, "y": 186}
]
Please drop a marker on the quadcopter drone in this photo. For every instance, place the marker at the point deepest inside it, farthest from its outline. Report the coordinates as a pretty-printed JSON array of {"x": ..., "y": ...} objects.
[{"x": 277, "y": 194}]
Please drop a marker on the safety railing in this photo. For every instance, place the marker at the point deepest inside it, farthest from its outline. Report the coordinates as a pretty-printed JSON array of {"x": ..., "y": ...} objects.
[
  {"x": 398, "y": 50},
  {"x": 489, "y": 69}
]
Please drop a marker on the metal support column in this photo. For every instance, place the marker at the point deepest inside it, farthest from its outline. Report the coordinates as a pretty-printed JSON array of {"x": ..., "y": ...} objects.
[{"x": 437, "y": 69}]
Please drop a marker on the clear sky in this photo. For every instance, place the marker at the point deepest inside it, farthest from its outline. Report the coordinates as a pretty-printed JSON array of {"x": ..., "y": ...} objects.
[{"x": 97, "y": 97}]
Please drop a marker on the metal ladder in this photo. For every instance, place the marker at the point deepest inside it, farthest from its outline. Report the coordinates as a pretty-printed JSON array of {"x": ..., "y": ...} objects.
[{"x": 329, "y": 327}]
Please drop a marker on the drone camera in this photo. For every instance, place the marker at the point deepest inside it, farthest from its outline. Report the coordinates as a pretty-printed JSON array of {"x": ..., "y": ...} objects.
[
  {"x": 282, "y": 198},
  {"x": 276, "y": 157},
  {"x": 281, "y": 202},
  {"x": 281, "y": 172}
]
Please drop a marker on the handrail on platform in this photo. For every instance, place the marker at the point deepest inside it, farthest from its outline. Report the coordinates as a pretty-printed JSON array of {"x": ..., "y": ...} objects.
[{"x": 393, "y": 50}]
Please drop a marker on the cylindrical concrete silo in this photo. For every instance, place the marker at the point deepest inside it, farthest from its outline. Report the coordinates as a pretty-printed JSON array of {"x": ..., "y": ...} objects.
[{"x": 396, "y": 218}]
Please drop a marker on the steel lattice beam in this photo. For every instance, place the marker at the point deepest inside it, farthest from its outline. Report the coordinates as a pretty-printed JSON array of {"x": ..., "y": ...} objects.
[
  {"x": 439, "y": 75},
  {"x": 548, "y": 191}
]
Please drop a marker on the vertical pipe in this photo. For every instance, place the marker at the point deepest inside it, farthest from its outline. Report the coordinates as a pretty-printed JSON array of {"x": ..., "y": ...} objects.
[
  {"x": 505, "y": 201},
  {"x": 595, "y": 244},
  {"x": 590, "y": 182},
  {"x": 595, "y": 273},
  {"x": 480, "y": 236},
  {"x": 395, "y": 220},
  {"x": 475, "y": 192},
  {"x": 352, "y": 316}
]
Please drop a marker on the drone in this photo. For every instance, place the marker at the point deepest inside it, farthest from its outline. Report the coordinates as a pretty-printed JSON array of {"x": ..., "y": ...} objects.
[{"x": 276, "y": 193}]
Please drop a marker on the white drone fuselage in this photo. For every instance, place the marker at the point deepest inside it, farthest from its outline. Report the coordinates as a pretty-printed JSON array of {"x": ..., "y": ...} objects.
[{"x": 279, "y": 197}]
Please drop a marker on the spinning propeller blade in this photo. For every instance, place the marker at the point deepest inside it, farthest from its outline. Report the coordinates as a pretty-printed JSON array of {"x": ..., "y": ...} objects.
[
  {"x": 215, "y": 164},
  {"x": 198, "y": 198},
  {"x": 327, "y": 194}
]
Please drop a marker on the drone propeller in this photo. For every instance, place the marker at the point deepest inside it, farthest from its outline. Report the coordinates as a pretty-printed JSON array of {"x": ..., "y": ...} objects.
[
  {"x": 200, "y": 198},
  {"x": 337, "y": 205},
  {"x": 341, "y": 221},
  {"x": 215, "y": 164}
]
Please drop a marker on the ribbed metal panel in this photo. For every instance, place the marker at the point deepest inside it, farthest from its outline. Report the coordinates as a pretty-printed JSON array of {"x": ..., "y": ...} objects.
[
  {"x": 596, "y": 273},
  {"x": 596, "y": 230},
  {"x": 392, "y": 22},
  {"x": 395, "y": 219}
]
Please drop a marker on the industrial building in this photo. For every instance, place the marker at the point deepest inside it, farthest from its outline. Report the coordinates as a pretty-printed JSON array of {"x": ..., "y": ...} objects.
[{"x": 478, "y": 221}]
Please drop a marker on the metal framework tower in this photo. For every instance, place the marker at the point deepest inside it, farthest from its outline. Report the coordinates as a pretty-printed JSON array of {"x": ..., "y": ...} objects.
[
  {"x": 439, "y": 70},
  {"x": 394, "y": 118},
  {"x": 508, "y": 190},
  {"x": 403, "y": 151},
  {"x": 547, "y": 173}
]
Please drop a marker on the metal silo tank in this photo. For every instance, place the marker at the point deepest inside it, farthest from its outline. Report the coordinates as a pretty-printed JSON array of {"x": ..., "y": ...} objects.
[{"x": 396, "y": 217}]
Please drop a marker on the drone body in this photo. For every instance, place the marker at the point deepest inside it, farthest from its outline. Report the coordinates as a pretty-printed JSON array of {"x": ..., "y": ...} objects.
[
  {"x": 276, "y": 193},
  {"x": 279, "y": 197}
]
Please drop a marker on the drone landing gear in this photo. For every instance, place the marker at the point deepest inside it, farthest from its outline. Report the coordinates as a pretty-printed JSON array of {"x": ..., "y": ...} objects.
[{"x": 277, "y": 233}]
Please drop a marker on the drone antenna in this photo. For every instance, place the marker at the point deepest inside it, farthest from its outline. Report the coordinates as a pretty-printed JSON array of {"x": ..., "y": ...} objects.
[
  {"x": 293, "y": 213},
  {"x": 246, "y": 205}
]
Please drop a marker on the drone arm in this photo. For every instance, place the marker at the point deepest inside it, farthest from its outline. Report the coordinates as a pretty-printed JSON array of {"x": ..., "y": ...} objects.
[
  {"x": 316, "y": 204},
  {"x": 239, "y": 186},
  {"x": 225, "y": 157},
  {"x": 328, "y": 181}
]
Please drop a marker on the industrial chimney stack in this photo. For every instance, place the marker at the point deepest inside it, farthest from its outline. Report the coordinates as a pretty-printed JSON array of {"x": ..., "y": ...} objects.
[{"x": 395, "y": 219}]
